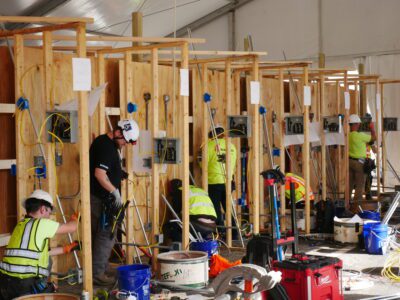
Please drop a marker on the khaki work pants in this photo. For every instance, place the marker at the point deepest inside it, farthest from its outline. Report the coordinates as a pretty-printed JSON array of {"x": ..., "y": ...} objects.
[{"x": 356, "y": 180}]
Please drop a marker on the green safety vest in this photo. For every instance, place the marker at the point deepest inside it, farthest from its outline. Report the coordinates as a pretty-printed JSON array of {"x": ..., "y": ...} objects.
[
  {"x": 216, "y": 163},
  {"x": 22, "y": 257},
  {"x": 200, "y": 203},
  {"x": 299, "y": 187}
]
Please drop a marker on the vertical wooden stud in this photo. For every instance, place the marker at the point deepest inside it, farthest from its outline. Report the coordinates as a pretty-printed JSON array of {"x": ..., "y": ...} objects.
[
  {"x": 306, "y": 157},
  {"x": 346, "y": 146},
  {"x": 102, "y": 103},
  {"x": 84, "y": 170},
  {"x": 185, "y": 153},
  {"x": 22, "y": 192},
  {"x": 255, "y": 154},
  {"x": 205, "y": 127},
  {"x": 378, "y": 108},
  {"x": 280, "y": 120},
  {"x": 155, "y": 184},
  {"x": 129, "y": 192},
  {"x": 228, "y": 169},
  {"x": 323, "y": 146},
  {"x": 137, "y": 30},
  {"x": 384, "y": 157}
]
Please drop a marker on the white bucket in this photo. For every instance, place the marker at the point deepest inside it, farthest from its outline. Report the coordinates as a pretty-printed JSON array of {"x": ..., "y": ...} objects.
[
  {"x": 300, "y": 219},
  {"x": 345, "y": 232},
  {"x": 188, "y": 268}
]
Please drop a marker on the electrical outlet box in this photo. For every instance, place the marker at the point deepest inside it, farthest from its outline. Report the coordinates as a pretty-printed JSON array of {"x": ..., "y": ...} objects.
[
  {"x": 167, "y": 151},
  {"x": 239, "y": 126},
  {"x": 390, "y": 124},
  {"x": 159, "y": 238},
  {"x": 333, "y": 124},
  {"x": 294, "y": 125},
  {"x": 63, "y": 124},
  {"x": 365, "y": 123},
  {"x": 76, "y": 276}
]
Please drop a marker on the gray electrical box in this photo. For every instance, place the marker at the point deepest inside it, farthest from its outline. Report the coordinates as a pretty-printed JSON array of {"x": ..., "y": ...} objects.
[
  {"x": 239, "y": 126},
  {"x": 333, "y": 124},
  {"x": 294, "y": 125},
  {"x": 390, "y": 124},
  {"x": 167, "y": 151},
  {"x": 63, "y": 124}
]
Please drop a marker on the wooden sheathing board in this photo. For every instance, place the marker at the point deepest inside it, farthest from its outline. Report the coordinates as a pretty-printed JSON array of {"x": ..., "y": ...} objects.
[
  {"x": 68, "y": 172},
  {"x": 8, "y": 213},
  {"x": 141, "y": 83},
  {"x": 270, "y": 99}
]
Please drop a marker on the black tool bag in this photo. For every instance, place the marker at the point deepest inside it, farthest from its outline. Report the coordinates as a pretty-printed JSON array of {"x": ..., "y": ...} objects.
[
  {"x": 259, "y": 251},
  {"x": 369, "y": 165}
]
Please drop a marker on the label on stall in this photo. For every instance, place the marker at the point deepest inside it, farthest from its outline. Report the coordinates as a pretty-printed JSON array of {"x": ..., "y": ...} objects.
[
  {"x": 307, "y": 95},
  {"x": 346, "y": 100}
]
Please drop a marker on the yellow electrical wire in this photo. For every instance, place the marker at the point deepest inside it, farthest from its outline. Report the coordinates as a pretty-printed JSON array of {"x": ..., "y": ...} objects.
[{"x": 23, "y": 75}]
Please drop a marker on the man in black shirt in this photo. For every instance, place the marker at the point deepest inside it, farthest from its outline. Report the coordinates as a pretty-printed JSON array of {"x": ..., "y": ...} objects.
[{"x": 105, "y": 181}]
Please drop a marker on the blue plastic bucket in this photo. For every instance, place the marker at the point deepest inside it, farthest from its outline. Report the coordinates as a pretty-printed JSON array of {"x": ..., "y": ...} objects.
[
  {"x": 376, "y": 239},
  {"x": 135, "y": 279},
  {"x": 210, "y": 247},
  {"x": 370, "y": 215}
]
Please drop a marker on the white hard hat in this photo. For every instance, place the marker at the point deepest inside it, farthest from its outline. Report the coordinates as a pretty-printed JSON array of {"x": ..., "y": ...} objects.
[
  {"x": 41, "y": 195},
  {"x": 130, "y": 130},
  {"x": 354, "y": 119}
]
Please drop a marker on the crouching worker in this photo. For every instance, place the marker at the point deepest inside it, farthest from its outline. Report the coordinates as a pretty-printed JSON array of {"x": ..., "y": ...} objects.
[
  {"x": 202, "y": 214},
  {"x": 25, "y": 266},
  {"x": 299, "y": 189}
]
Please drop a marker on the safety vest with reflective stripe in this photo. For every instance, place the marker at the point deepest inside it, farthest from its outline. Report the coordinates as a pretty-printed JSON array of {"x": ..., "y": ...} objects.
[
  {"x": 299, "y": 186},
  {"x": 22, "y": 257},
  {"x": 216, "y": 163},
  {"x": 200, "y": 203}
]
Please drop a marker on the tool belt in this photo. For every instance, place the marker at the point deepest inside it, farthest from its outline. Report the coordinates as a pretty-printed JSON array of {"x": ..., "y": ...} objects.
[
  {"x": 369, "y": 165},
  {"x": 111, "y": 212}
]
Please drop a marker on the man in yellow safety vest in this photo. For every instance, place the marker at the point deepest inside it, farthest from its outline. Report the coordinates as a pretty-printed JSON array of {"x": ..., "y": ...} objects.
[
  {"x": 25, "y": 265},
  {"x": 202, "y": 214},
  {"x": 216, "y": 148}
]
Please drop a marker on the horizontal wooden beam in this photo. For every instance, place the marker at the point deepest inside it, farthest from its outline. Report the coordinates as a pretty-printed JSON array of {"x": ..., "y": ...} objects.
[
  {"x": 140, "y": 48},
  {"x": 102, "y": 38},
  {"x": 6, "y": 163},
  {"x": 214, "y": 53},
  {"x": 73, "y": 48},
  {"x": 385, "y": 81},
  {"x": 7, "y": 108},
  {"x": 7, "y": 33},
  {"x": 48, "y": 20}
]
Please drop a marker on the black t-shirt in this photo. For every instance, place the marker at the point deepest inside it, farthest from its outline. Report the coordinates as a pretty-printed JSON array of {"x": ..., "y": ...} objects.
[{"x": 104, "y": 155}]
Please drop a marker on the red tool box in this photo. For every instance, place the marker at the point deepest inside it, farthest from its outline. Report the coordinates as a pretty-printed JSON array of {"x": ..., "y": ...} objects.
[{"x": 311, "y": 277}]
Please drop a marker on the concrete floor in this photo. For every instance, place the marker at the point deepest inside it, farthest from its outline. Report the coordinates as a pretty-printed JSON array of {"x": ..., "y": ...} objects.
[{"x": 353, "y": 259}]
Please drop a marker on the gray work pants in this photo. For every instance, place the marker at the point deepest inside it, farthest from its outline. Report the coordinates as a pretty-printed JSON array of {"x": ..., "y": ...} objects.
[
  {"x": 102, "y": 244},
  {"x": 356, "y": 180}
]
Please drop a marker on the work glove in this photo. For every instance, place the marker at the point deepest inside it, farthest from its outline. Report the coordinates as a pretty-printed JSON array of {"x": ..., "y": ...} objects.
[
  {"x": 72, "y": 247},
  {"x": 75, "y": 216},
  {"x": 115, "y": 197},
  {"x": 124, "y": 175}
]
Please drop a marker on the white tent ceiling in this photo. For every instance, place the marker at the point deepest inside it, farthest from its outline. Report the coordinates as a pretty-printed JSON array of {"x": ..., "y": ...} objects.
[{"x": 114, "y": 16}]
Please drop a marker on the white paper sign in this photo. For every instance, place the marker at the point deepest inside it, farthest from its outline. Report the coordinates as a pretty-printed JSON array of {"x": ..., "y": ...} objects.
[
  {"x": 254, "y": 92},
  {"x": 346, "y": 100},
  {"x": 378, "y": 101},
  {"x": 81, "y": 74},
  {"x": 184, "y": 82},
  {"x": 307, "y": 95}
]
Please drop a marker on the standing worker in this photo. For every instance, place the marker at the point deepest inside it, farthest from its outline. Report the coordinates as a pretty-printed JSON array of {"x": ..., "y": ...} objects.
[
  {"x": 357, "y": 154},
  {"x": 25, "y": 267},
  {"x": 216, "y": 174},
  {"x": 106, "y": 175}
]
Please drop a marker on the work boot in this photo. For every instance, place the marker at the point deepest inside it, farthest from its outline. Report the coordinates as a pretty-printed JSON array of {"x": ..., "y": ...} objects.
[{"x": 103, "y": 280}]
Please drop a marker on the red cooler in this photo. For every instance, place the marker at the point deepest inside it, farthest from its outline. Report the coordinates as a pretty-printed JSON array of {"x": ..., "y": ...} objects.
[{"x": 311, "y": 277}]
